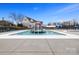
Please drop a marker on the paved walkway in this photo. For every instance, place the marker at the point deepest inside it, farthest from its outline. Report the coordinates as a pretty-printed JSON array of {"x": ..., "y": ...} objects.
[
  {"x": 73, "y": 32},
  {"x": 39, "y": 46}
]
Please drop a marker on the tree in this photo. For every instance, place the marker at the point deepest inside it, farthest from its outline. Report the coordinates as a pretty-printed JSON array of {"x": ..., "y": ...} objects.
[
  {"x": 20, "y": 25},
  {"x": 13, "y": 16},
  {"x": 20, "y": 17},
  {"x": 16, "y": 17}
]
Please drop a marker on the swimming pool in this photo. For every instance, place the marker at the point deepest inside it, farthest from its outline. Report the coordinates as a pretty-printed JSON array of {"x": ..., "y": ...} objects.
[
  {"x": 46, "y": 33},
  {"x": 49, "y": 34}
]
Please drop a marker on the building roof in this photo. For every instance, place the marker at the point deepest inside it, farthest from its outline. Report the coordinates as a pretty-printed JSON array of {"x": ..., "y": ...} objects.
[{"x": 5, "y": 23}]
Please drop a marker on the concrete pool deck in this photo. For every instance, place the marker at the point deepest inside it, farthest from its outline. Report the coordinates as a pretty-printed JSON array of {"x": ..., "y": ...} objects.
[
  {"x": 39, "y": 47},
  {"x": 47, "y": 45}
]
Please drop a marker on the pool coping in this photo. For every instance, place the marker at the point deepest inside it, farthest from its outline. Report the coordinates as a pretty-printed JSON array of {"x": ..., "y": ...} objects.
[{"x": 9, "y": 35}]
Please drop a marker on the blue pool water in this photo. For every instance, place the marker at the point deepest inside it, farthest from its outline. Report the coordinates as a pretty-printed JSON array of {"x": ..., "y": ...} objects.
[{"x": 46, "y": 33}]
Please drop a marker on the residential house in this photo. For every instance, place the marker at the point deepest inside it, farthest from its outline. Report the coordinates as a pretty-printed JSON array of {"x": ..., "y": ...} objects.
[{"x": 29, "y": 22}]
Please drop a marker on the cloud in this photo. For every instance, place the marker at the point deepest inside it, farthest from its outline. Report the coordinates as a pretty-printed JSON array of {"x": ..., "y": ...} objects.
[
  {"x": 69, "y": 8},
  {"x": 35, "y": 8}
]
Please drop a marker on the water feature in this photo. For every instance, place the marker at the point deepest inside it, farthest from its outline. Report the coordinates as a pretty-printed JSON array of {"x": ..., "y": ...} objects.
[{"x": 38, "y": 28}]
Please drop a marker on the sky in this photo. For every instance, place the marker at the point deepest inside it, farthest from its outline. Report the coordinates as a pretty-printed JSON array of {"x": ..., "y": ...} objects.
[{"x": 46, "y": 12}]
